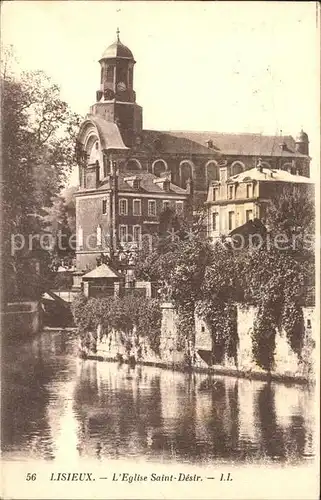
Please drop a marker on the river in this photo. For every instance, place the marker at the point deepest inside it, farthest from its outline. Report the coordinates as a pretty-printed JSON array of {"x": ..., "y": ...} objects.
[{"x": 56, "y": 405}]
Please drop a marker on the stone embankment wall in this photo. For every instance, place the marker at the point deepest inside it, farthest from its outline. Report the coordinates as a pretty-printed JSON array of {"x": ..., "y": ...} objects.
[
  {"x": 21, "y": 318},
  {"x": 117, "y": 345},
  {"x": 286, "y": 361},
  {"x": 114, "y": 345}
]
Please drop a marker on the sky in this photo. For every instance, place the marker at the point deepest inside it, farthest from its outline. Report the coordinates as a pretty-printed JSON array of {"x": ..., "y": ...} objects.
[{"x": 216, "y": 66}]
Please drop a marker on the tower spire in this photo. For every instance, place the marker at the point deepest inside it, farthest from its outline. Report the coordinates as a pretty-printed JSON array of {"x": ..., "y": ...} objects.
[{"x": 117, "y": 33}]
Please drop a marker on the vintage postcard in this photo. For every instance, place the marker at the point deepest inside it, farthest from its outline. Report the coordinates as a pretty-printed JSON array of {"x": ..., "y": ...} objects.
[{"x": 160, "y": 322}]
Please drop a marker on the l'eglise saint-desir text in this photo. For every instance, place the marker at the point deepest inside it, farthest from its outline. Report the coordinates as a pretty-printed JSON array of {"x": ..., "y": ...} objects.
[{"x": 132, "y": 478}]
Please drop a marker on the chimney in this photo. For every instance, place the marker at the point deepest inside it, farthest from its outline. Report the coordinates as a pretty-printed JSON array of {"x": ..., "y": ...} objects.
[
  {"x": 189, "y": 186},
  {"x": 259, "y": 165}
]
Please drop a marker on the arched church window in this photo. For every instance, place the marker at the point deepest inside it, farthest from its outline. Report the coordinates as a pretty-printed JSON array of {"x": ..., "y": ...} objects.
[
  {"x": 237, "y": 167},
  {"x": 186, "y": 172},
  {"x": 159, "y": 167},
  {"x": 94, "y": 153},
  {"x": 212, "y": 172},
  {"x": 133, "y": 165}
]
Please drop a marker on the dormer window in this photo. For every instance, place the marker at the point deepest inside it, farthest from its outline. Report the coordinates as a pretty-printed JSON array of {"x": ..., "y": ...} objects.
[
  {"x": 164, "y": 183},
  {"x": 210, "y": 144},
  {"x": 134, "y": 182}
]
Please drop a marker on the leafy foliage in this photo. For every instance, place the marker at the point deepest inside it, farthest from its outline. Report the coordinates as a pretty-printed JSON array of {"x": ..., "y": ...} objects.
[
  {"x": 61, "y": 223},
  {"x": 263, "y": 337},
  {"x": 122, "y": 314},
  {"x": 38, "y": 154},
  {"x": 199, "y": 276}
]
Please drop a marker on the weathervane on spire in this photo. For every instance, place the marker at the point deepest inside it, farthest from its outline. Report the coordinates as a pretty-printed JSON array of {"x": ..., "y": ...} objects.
[{"x": 117, "y": 33}]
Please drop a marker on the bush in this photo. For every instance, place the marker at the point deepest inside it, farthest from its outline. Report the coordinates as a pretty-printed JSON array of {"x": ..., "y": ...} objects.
[{"x": 123, "y": 314}]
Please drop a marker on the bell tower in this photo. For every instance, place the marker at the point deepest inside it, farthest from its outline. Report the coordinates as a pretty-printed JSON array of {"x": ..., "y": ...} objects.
[{"x": 116, "y": 98}]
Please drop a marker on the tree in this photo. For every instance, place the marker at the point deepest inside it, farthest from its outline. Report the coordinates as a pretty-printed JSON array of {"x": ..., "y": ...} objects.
[
  {"x": 199, "y": 276},
  {"x": 291, "y": 215},
  {"x": 275, "y": 276},
  {"x": 61, "y": 224},
  {"x": 38, "y": 153}
]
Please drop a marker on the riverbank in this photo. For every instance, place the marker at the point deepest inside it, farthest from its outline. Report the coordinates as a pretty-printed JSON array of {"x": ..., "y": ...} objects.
[
  {"x": 57, "y": 406},
  {"x": 210, "y": 370},
  {"x": 121, "y": 330}
]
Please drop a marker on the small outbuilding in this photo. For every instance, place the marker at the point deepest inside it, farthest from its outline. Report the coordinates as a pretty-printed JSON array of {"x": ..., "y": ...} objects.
[{"x": 102, "y": 281}]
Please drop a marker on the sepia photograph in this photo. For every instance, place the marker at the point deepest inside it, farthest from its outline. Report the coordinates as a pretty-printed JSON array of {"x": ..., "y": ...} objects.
[{"x": 160, "y": 250}]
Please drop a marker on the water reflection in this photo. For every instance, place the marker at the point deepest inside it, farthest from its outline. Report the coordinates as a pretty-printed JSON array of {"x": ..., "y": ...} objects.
[{"x": 59, "y": 407}]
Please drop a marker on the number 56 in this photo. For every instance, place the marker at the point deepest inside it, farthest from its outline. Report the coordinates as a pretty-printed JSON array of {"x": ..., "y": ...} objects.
[{"x": 31, "y": 477}]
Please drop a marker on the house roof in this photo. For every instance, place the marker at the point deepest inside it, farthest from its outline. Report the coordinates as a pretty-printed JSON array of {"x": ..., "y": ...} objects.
[
  {"x": 268, "y": 175},
  {"x": 102, "y": 271},
  {"x": 147, "y": 184},
  {"x": 245, "y": 144}
]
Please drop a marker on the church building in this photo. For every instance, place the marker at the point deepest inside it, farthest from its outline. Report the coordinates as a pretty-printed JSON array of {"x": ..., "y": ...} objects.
[{"x": 129, "y": 175}]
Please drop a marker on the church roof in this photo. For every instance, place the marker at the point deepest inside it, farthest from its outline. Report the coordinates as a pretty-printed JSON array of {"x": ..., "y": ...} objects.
[
  {"x": 147, "y": 184},
  {"x": 270, "y": 175},
  {"x": 109, "y": 134},
  {"x": 117, "y": 49},
  {"x": 244, "y": 144}
]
